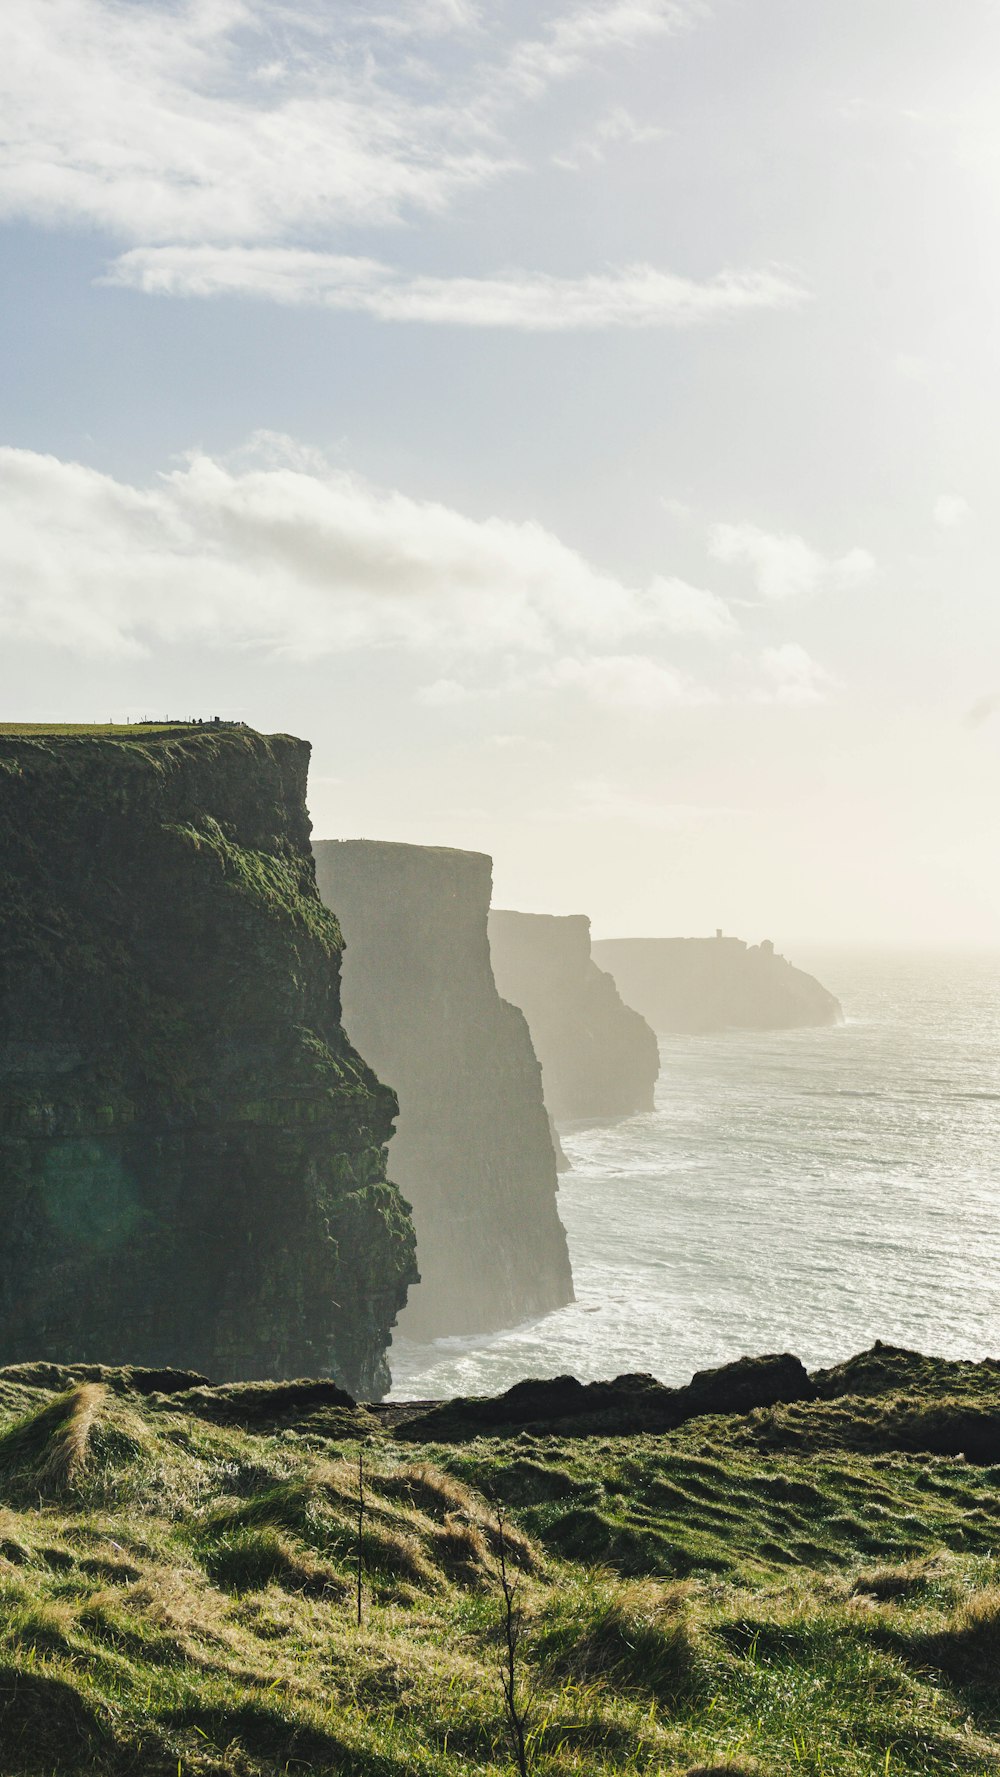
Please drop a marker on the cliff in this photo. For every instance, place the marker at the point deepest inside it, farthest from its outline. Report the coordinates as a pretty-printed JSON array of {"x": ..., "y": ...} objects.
[
  {"x": 706, "y": 984},
  {"x": 192, "y": 1156},
  {"x": 599, "y": 1058},
  {"x": 472, "y": 1152}
]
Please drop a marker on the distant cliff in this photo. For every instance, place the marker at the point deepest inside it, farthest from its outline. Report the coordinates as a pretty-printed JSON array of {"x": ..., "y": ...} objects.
[
  {"x": 192, "y": 1156},
  {"x": 472, "y": 1152},
  {"x": 704, "y": 984},
  {"x": 599, "y": 1058}
]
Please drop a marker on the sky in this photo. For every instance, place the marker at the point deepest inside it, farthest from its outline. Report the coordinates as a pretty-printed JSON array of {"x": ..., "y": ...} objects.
[{"x": 578, "y": 420}]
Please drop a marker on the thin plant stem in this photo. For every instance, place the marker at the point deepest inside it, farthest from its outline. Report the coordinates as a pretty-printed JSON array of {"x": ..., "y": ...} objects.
[
  {"x": 517, "y": 1709},
  {"x": 361, "y": 1525}
]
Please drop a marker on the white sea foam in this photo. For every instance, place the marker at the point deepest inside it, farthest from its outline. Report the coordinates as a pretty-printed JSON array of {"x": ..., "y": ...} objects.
[{"x": 807, "y": 1191}]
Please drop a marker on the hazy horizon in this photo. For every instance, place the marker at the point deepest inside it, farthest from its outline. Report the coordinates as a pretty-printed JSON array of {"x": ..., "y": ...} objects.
[{"x": 577, "y": 419}]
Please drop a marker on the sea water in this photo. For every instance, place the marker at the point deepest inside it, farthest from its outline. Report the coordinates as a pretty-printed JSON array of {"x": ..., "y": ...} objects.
[{"x": 807, "y": 1191}]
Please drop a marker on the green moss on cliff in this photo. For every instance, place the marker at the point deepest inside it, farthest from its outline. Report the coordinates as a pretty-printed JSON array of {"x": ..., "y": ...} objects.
[{"x": 192, "y": 1156}]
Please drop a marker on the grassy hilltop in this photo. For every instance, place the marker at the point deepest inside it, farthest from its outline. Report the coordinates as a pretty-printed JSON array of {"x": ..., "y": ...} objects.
[
  {"x": 106, "y": 730},
  {"x": 168, "y": 726},
  {"x": 803, "y": 1588}
]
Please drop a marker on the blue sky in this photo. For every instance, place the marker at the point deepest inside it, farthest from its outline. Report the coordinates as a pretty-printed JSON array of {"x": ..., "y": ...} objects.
[{"x": 578, "y": 420}]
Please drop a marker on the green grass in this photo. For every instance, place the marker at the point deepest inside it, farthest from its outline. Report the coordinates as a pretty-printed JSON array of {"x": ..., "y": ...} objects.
[
  {"x": 170, "y": 725},
  {"x": 100, "y": 727},
  {"x": 177, "y": 1596}
]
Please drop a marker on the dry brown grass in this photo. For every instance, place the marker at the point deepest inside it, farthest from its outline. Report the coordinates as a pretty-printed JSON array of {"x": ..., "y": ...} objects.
[
  {"x": 398, "y": 1554},
  {"x": 429, "y": 1489},
  {"x": 422, "y": 1524},
  {"x": 462, "y": 1550},
  {"x": 69, "y": 1448}
]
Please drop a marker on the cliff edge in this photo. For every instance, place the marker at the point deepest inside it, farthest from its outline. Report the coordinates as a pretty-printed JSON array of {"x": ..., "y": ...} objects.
[
  {"x": 472, "y": 1152},
  {"x": 599, "y": 1058},
  {"x": 707, "y": 984},
  {"x": 192, "y": 1156}
]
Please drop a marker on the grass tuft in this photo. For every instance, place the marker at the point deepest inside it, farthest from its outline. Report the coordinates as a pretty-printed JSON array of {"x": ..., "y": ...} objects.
[
  {"x": 250, "y": 1559},
  {"x": 47, "y": 1451},
  {"x": 638, "y": 1635},
  {"x": 69, "y": 1447}
]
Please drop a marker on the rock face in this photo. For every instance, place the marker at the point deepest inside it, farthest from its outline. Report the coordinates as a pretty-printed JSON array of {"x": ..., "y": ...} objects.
[
  {"x": 472, "y": 1152},
  {"x": 706, "y": 984},
  {"x": 599, "y": 1058},
  {"x": 192, "y": 1156}
]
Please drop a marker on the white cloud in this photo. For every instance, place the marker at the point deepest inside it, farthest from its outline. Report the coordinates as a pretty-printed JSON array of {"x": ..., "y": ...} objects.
[
  {"x": 624, "y": 681},
  {"x": 590, "y": 31},
  {"x": 273, "y": 550},
  {"x": 639, "y": 682},
  {"x": 793, "y": 676},
  {"x": 635, "y": 296},
  {"x": 692, "y": 611},
  {"x": 271, "y": 121},
  {"x": 785, "y": 566},
  {"x": 602, "y": 799},
  {"x": 224, "y": 139},
  {"x": 616, "y": 129},
  {"x": 951, "y": 510},
  {"x": 270, "y": 550},
  {"x": 442, "y": 694},
  {"x": 425, "y": 18},
  {"x": 240, "y": 120}
]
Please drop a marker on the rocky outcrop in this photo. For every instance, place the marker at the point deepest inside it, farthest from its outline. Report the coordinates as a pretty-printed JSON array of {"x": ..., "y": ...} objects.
[
  {"x": 192, "y": 1155},
  {"x": 472, "y": 1152},
  {"x": 599, "y": 1058},
  {"x": 706, "y": 984},
  {"x": 564, "y": 1407}
]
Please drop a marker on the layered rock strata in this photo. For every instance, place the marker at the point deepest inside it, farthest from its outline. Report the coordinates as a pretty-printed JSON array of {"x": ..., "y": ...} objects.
[
  {"x": 599, "y": 1058},
  {"x": 473, "y": 1152},
  {"x": 192, "y": 1155},
  {"x": 720, "y": 983}
]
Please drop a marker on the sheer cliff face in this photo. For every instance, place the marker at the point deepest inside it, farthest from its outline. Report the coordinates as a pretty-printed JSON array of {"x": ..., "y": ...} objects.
[
  {"x": 599, "y": 1058},
  {"x": 192, "y": 1156},
  {"x": 705, "y": 984},
  {"x": 472, "y": 1152}
]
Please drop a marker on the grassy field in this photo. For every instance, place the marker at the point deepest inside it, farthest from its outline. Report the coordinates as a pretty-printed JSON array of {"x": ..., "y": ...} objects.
[
  {"x": 31, "y": 729},
  {"x": 764, "y": 1593}
]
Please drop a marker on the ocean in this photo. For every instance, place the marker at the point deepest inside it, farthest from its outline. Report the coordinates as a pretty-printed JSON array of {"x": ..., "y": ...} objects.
[{"x": 807, "y": 1191}]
